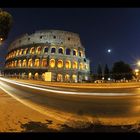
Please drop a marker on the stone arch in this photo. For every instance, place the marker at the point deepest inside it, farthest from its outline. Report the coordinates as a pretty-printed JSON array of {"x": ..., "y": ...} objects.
[
  {"x": 67, "y": 78},
  {"x": 75, "y": 65},
  {"x": 30, "y": 63},
  {"x": 68, "y": 51},
  {"x": 68, "y": 64},
  {"x": 59, "y": 77},
  {"x": 36, "y": 64},
  {"x": 24, "y": 63},
  {"x": 52, "y": 63},
  {"x": 44, "y": 63},
  {"x": 60, "y": 63}
]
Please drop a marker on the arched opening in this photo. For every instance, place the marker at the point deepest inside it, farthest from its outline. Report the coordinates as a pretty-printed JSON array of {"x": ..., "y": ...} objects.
[
  {"x": 75, "y": 52},
  {"x": 53, "y": 50},
  {"x": 25, "y": 51},
  {"x": 68, "y": 64},
  {"x": 60, "y": 51},
  {"x": 32, "y": 50},
  {"x": 46, "y": 49},
  {"x": 30, "y": 75},
  {"x": 67, "y": 78},
  {"x": 52, "y": 63},
  {"x": 15, "y": 64},
  {"x": 74, "y": 78},
  {"x": 12, "y": 64},
  {"x": 24, "y": 63},
  {"x": 81, "y": 53},
  {"x": 36, "y": 76},
  {"x": 20, "y": 53},
  {"x": 17, "y": 53},
  {"x": 59, "y": 63},
  {"x": 19, "y": 63},
  {"x": 74, "y": 65},
  {"x": 30, "y": 63},
  {"x": 44, "y": 63},
  {"x": 68, "y": 51},
  {"x": 38, "y": 50},
  {"x": 36, "y": 64},
  {"x": 59, "y": 78},
  {"x": 81, "y": 66}
]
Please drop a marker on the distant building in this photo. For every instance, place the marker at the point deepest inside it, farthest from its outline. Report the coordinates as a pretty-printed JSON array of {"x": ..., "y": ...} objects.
[{"x": 50, "y": 55}]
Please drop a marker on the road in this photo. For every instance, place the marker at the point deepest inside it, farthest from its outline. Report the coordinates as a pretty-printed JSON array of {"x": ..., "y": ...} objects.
[{"x": 66, "y": 104}]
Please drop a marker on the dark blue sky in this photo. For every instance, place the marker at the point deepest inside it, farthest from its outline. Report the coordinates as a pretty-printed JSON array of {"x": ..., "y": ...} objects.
[{"x": 99, "y": 29}]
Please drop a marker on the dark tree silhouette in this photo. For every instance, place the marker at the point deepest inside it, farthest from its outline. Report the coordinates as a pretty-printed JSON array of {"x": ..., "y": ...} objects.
[
  {"x": 106, "y": 72},
  {"x": 99, "y": 72},
  {"x": 6, "y": 22},
  {"x": 121, "y": 70}
]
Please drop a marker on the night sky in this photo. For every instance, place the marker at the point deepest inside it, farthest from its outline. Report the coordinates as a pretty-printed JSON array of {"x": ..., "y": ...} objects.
[{"x": 100, "y": 29}]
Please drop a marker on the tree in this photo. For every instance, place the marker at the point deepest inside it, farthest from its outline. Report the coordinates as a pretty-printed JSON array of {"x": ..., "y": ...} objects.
[
  {"x": 99, "y": 72},
  {"x": 106, "y": 72},
  {"x": 5, "y": 24},
  {"x": 121, "y": 70}
]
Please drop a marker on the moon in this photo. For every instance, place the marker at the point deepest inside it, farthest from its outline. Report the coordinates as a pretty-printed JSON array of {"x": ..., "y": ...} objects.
[{"x": 109, "y": 50}]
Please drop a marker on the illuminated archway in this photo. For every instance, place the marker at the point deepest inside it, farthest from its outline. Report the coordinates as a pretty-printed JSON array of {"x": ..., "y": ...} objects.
[
  {"x": 68, "y": 64},
  {"x": 52, "y": 63},
  {"x": 25, "y": 51},
  {"x": 75, "y": 52},
  {"x": 19, "y": 63},
  {"x": 44, "y": 63},
  {"x": 32, "y": 50},
  {"x": 75, "y": 65},
  {"x": 59, "y": 63},
  {"x": 36, "y": 64},
  {"x": 59, "y": 78},
  {"x": 30, "y": 63},
  {"x": 38, "y": 50},
  {"x": 74, "y": 78},
  {"x": 30, "y": 75},
  {"x": 36, "y": 75},
  {"x": 24, "y": 63},
  {"x": 67, "y": 78},
  {"x": 17, "y": 53}
]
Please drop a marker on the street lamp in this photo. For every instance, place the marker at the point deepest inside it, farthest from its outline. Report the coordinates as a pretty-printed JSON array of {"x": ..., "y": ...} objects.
[{"x": 138, "y": 63}]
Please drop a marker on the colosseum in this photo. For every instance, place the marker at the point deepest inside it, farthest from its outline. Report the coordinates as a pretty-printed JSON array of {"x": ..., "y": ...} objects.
[{"x": 49, "y": 55}]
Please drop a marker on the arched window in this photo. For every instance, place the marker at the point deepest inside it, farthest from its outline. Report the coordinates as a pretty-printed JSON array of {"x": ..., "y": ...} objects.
[
  {"x": 68, "y": 51},
  {"x": 60, "y": 64},
  {"x": 60, "y": 51},
  {"x": 25, "y": 51},
  {"x": 74, "y": 65},
  {"x": 30, "y": 75},
  {"x": 36, "y": 64},
  {"x": 75, "y": 52},
  {"x": 68, "y": 64},
  {"x": 81, "y": 66},
  {"x": 24, "y": 63},
  {"x": 20, "y": 53},
  {"x": 36, "y": 76},
  {"x": 30, "y": 63},
  {"x": 44, "y": 63},
  {"x": 80, "y": 53},
  {"x": 52, "y": 63},
  {"x": 32, "y": 50},
  {"x": 53, "y": 50},
  {"x": 38, "y": 50},
  {"x": 17, "y": 53},
  {"x": 15, "y": 64},
  {"x": 59, "y": 78},
  {"x": 46, "y": 49},
  {"x": 67, "y": 78},
  {"x": 19, "y": 63}
]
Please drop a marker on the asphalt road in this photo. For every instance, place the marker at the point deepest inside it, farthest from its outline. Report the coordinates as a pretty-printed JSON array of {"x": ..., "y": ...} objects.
[{"x": 97, "y": 102}]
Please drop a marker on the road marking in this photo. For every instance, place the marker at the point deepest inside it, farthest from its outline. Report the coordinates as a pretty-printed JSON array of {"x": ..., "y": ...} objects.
[{"x": 67, "y": 92}]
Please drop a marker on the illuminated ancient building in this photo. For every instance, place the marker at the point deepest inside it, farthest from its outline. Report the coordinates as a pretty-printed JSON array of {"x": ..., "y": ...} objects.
[{"x": 50, "y": 55}]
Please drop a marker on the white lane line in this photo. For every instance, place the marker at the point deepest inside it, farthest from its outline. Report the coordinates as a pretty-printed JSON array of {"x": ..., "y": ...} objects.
[{"x": 68, "y": 92}]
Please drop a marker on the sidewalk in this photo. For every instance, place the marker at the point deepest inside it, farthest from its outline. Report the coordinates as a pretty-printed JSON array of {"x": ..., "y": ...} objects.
[{"x": 16, "y": 117}]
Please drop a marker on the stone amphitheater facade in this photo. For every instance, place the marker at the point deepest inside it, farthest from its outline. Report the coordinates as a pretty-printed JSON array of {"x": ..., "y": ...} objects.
[{"x": 59, "y": 53}]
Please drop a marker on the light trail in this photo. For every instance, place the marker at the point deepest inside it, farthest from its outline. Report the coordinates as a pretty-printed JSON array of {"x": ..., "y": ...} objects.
[{"x": 66, "y": 92}]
